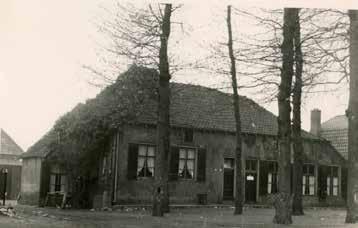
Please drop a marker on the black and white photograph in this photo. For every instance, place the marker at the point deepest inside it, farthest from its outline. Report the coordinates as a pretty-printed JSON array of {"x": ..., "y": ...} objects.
[{"x": 212, "y": 114}]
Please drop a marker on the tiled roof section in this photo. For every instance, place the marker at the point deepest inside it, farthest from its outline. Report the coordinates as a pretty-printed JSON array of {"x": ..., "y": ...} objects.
[
  {"x": 200, "y": 108},
  {"x": 337, "y": 122},
  {"x": 338, "y": 139},
  {"x": 8, "y": 145},
  {"x": 39, "y": 149},
  {"x": 335, "y": 130},
  {"x": 205, "y": 108}
]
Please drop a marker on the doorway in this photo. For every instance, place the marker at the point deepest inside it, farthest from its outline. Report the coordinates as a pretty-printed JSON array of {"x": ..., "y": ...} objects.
[
  {"x": 322, "y": 183},
  {"x": 229, "y": 174},
  {"x": 250, "y": 187},
  {"x": 250, "y": 181}
]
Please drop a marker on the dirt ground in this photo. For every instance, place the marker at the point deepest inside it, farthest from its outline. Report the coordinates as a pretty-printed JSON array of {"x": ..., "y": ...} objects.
[{"x": 31, "y": 217}]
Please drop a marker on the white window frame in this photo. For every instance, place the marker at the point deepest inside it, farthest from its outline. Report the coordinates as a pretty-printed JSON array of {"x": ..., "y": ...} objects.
[
  {"x": 331, "y": 179},
  {"x": 146, "y": 156},
  {"x": 186, "y": 149},
  {"x": 310, "y": 178}
]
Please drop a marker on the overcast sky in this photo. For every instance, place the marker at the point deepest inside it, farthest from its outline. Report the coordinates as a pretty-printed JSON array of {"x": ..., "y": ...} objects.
[{"x": 44, "y": 43}]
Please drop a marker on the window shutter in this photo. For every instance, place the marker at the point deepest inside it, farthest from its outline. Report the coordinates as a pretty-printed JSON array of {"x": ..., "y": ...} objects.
[
  {"x": 132, "y": 162},
  {"x": 201, "y": 170},
  {"x": 344, "y": 182},
  {"x": 274, "y": 183},
  {"x": 174, "y": 164},
  {"x": 263, "y": 178}
]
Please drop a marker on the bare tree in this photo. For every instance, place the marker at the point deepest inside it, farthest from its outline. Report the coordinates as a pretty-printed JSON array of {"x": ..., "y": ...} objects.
[
  {"x": 163, "y": 124},
  {"x": 283, "y": 201},
  {"x": 297, "y": 208},
  {"x": 324, "y": 47},
  {"x": 140, "y": 36},
  {"x": 238, "y": 152},
  {"x": 352, "y": 114}
]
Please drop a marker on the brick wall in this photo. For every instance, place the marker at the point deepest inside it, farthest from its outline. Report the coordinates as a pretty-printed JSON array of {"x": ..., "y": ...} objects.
[
  {"x": 218, "y": 146},
  {"x": 31, "y": 181}
]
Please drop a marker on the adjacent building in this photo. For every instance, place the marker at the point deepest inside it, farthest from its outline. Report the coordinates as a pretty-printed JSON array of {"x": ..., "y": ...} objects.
[
  {"x": 334, "y": 130},
  {"x": 10, "y": 163}
]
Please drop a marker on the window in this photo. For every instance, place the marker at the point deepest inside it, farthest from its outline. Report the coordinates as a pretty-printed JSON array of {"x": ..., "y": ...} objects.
[
  {"x": 332, "y": 181},
  {"x": 145, "y": 166},
  {"x": 308, "y": 180},
  {"x": 57, "y": 182},
  {"x": 268, "y": 177},
  {"x": 188, "y": 135},
  {"x": 272, "y": 178},
  {"x": 229, "y": 163},
  {"x": 186, "y": 163}
]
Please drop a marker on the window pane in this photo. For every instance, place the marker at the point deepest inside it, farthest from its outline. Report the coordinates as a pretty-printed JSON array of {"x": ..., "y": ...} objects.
[
  {"x": 141, "y": 162},
  {"x": 191, "y": 172},
  {"x": 304, "y": 180},
  {"x": 52, "y": 179},
  {"x": 52, "y": 188},
  {"x": 150, "y": 162},
  {"x": 335, "y": 191},
  {"x": 63, "y": 179},
  {"x": 328, "y": 186},
  {"x": 191, "y": 154},
  {"x": 311, "y": 180},
  {"x": 311, "y": 190},
  {"x": 182, "y": 153},
  {"x": 303, "y": 189},
  {"x": 150, "y": 172},
  {"x": 181, "y": 173},
  {"x": 190, "y": 164},
  {"x": 269, "y": 178},
  {"x": 181, "y": 164},
  {"x": 142, "y": 150},
  {"x": 140, "y": 172},
  {"x": 335, "y": 181},
  {"x": 269, "y": 188},
  {"x": 151, "y": 151}
]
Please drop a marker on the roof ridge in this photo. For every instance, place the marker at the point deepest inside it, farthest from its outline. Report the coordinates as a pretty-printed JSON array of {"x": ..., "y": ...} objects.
[
  {"x": 337, "y": 116},
  {"x": 3, "y": 134}
]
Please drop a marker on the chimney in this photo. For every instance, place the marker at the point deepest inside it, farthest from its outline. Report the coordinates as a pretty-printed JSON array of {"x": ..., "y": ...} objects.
[{"x": 315, "y": 122}]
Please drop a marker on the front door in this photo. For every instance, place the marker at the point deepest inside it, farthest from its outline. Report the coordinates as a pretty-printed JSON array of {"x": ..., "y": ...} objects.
[
  {"x": 250, "y": 187},
  {"x": 322, "y": 183},
  {"x": 229, "y": 168},
  {"x": 250, "y": 181}
]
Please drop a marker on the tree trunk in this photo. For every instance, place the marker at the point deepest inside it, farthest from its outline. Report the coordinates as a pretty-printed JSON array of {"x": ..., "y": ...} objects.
[
  {"x": 238, "y": 162},
  {"x": 160, "y": 194},
  {"x": 283, "y": 215},
  {"x": 352, "y": 114},
  {"x": 296, "y": 125}
]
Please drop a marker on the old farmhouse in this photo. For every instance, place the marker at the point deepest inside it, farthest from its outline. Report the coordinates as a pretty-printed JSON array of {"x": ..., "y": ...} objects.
[{"x": 202, "y": 156}]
